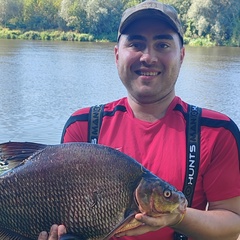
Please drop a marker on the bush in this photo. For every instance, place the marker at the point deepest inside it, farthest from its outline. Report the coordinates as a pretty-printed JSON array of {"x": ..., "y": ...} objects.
[
  {"x": 84, "y": 37},
  {"x": 8, "y": 34},
  {"x": 201, "y": 42},
  {"x": 31, "y": 35},
  {"x": 45, "y": 36}
]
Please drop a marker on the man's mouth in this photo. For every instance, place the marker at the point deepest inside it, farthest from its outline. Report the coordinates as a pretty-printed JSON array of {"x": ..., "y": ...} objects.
[{"x": 147, "y": 73}]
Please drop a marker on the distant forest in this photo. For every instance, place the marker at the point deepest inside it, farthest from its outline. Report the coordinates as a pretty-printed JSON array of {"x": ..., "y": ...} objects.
[{"x": 217, "y": 21}]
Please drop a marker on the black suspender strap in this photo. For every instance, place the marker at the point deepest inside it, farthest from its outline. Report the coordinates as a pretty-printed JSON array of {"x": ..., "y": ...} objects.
[
  {"x": 193, "y": 135},
  {"x": 193, "y": 131},
  {"x": 94, "y": 123}
]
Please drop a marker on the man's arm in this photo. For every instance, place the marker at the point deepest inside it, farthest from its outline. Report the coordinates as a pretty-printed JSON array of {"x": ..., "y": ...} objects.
[{"x": 221, "y": 221}]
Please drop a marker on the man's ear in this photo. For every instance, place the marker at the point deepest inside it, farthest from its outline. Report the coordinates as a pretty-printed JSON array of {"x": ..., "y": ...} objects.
[
  {"x": 116, "y": 53},
  {"x": 182, "y": 54}
]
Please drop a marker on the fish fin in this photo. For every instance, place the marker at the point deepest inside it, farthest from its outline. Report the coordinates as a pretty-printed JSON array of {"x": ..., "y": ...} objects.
[
  {"x": 9, "y": 235},
  {"x": 128, "y": 223},
  {"x": 16, "y": 152},
  {"x": 133, "y": 223},
  {"x": 69, "y": 236}
]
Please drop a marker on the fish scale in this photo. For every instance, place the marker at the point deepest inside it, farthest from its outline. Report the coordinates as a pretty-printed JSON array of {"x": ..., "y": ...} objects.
[{"x": 89, "y": 188}]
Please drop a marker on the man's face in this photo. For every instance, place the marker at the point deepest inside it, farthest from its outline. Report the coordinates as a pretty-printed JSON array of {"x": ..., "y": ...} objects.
[{"x": 148, "y": 58}]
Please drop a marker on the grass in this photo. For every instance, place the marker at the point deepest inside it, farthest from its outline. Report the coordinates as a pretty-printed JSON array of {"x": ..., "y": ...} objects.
[
  {"x": 205, "y": 42},
  {"x": 6, "y": 33}
]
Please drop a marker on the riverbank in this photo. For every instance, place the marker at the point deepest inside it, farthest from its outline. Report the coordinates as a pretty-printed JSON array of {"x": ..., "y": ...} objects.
[
  {"x": 6, "y": 33},
  {"x": 54, "y": 35}
]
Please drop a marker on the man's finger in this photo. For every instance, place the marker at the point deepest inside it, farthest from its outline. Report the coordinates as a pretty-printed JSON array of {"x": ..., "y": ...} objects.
[
  {"x": 53, "y": 235},
  {"x": 43, "y": 236},
  {"x": 61, "y": 230}
]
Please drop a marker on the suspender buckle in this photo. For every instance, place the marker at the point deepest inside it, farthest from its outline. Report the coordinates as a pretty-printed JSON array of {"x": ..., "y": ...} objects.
[{"x": 179, "y": 236}]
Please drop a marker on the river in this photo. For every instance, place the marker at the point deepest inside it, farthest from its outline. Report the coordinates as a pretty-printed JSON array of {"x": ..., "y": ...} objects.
[{"x": 43, "y": 82}]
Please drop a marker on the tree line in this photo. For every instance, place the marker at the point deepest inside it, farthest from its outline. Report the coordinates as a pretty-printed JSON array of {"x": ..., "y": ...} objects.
[{"x": 215, "y": 20}]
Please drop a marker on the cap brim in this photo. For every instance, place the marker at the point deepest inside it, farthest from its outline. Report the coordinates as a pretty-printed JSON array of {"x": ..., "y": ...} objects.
[{"x": 146, "y": 13}]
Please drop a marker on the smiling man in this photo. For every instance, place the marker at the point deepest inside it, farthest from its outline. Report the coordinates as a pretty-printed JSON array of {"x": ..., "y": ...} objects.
[
  {"x": 150, "y": 125},
  {"x": 148, "y": 62}
]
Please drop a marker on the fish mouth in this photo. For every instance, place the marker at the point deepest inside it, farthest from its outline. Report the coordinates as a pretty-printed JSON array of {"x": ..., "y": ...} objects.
[
  {"x": 183, "y": 205},
  {"x": 147, "y": 73},
  {"x": 158, "y": 213}
]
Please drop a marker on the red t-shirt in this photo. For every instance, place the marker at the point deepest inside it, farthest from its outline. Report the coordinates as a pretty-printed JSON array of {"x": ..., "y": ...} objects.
[{"x": 161, "y": 147}]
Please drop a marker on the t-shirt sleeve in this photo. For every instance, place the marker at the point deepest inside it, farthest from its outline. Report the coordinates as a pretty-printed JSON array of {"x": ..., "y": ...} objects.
[
  {"x": 76, "y": 127},
  {"x": 222, "y": 178}
]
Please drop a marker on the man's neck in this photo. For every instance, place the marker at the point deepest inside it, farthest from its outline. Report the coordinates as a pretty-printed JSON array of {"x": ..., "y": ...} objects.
[{"x": 150, "y": 112}]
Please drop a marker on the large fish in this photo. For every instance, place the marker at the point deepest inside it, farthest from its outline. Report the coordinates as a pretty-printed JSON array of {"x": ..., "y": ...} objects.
[{"x": 93, "y": 190}]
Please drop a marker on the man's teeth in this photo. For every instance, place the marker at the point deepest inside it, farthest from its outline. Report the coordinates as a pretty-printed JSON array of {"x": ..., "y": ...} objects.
[{"x": 149, "y": 73}]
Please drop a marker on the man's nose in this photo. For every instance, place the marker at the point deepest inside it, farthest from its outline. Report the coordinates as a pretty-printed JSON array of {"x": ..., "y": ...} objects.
[{"x": 149, "y": 56}]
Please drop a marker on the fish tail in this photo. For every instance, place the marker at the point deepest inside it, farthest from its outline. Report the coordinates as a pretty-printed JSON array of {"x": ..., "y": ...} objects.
[{"x": 18, "y": 151}]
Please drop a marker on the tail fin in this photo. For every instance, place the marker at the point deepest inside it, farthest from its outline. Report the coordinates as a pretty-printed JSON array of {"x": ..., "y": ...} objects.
[{"x": 18, "y": 151}]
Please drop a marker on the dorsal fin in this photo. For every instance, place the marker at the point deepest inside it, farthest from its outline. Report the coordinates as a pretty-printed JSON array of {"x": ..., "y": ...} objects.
[{"x": 16, "y": 152}]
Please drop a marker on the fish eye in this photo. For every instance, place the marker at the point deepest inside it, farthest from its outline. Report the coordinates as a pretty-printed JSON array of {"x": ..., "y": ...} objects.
[{"x": 167, "y": 193}]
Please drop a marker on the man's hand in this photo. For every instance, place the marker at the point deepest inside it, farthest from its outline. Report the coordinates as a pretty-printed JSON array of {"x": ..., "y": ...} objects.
[
  {"x": 54, "y": 234},
  {"x": 152, "y": 223}
]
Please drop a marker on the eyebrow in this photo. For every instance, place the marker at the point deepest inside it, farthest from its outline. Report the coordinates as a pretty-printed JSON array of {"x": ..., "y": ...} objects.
[
  {"x": 163, "y": 36},
  {"x": 142, "y": 38},
  {"x": 135, "y": 37}
]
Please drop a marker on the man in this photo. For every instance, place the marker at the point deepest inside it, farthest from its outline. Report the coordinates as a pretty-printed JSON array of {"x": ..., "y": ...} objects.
[{"x": 150, "y": 125}]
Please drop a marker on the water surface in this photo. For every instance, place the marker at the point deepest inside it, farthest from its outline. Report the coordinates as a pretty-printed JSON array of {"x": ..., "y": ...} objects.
[{"x": 42, "y": 83}]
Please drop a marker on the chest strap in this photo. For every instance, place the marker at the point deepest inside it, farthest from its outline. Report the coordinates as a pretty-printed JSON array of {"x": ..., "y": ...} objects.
[
  {"x": 94, "y": 123},
  {"x": 193, "y": 138}
]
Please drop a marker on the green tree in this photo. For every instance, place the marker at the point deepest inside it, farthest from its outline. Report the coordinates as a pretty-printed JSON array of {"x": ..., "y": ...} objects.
[
  {"x": 131, "y": 3},
  {"x": 104, "y": 16},
  {"x": 182, "y": 8},
  {"x": 11, "y": 13},
  {"x": 3, "y": 12},
  {"x": 216, "y": 18},
  {"x": 235, "y": 39},
  {"x": 74, "y": 14},
  {"x": 41, "y": 14},
  {"x": 97, "y": 17}
]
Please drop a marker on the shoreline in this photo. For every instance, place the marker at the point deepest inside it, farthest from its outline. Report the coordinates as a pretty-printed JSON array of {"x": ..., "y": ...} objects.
[{"x": 57, "y": 35}]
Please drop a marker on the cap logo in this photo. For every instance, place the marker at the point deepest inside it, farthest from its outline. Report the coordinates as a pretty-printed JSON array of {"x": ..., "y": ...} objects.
[{"x": 150, "y": 5}]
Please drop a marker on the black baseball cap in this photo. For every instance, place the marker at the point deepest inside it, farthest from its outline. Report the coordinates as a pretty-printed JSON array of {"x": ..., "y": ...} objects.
[{"x": 153, "y": 9}]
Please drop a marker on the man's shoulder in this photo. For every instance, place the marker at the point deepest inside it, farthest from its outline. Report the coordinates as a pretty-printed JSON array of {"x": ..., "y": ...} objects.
[
  {"x": 110, "y": 106},
  {"x": 209, "y": 118},
  {"x": 118, "y": 104},
  {"x": 213, "y": 114},
  {"x": 206, "y": 112},
  {"x": 217, "y": 120}
]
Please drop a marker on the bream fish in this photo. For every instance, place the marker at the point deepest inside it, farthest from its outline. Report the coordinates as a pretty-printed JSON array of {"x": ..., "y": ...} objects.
[{"x": 93, "y": 190}]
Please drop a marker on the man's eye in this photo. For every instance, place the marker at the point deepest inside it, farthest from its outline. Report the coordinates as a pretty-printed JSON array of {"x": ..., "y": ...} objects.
[
  {"x": 162, "y": 46},
  {"x": 137, "y": 45}
]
